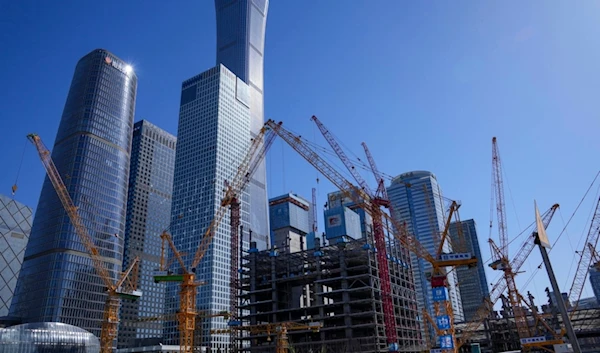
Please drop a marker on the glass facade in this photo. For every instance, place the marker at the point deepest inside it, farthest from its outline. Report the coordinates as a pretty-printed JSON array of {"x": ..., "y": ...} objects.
[
  {"x": 241, "y": 26},
  {"x": 212, "y": 138},
  {"x": 91, "y": 152},
  {"x": 473, "y": 281},
  {"x": 417, "y": 199},
  {"x": 47, "y": 337},
  {"x": 148, "y": 213},
  {"x": 15, "y": 226}
]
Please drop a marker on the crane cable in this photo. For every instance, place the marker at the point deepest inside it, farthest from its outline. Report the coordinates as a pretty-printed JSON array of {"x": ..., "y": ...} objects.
[
  {"x": 564, "y": 229},
  {"x": 15, "y": 187}
]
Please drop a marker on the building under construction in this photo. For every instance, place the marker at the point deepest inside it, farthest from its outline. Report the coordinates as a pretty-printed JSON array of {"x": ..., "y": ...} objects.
[{"x": 337, "y": 286}]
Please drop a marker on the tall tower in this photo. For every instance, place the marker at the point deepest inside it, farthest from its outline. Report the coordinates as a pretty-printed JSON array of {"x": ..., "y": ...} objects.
[
  {"x": 473, "y": 281},
  {"x": 241, "y": 26},
  {"x": 15, "y": 226},
  {"x": 417, "y": 199},
  {"x": 212, "y": 139},
  {"x": 91, "y": 152},
  {"x": 148, "y": 213}
]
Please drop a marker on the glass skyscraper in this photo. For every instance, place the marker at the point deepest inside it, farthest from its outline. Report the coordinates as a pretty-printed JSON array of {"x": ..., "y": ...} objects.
[
  {"x": 212, "y": 138},
  {"x": 91, "y": 152},
  {"x": 15, "y": 225},
  {"x": 473, "y": 281},
  {"x": 148, "y": 214},
  {"x": 417, "y": 199},
  {"x": 241, "y": 26}
]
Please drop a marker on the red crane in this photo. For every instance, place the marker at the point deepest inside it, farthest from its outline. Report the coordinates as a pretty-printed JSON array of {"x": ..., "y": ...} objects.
[{"x": 379, "y": 239}]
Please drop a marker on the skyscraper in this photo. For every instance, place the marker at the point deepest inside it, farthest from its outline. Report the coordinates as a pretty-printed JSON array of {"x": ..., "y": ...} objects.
[
  {"x": 15, "y": 225},
  {"x": 417, "y": 199},
  {"x": 212, "y": 139},
  {"x": 148, "y": 214},
  {"x": 91, "y": 152},
  {"x": 241, "y": 26},
  {"x": 473, "y": 281}
]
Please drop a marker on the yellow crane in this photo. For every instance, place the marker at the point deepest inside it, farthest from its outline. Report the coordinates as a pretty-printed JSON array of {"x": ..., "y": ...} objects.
[
  {"x": 280, "y": 330},
  {"x": 124, "y": 287},
  {"x": 187, "y": 278}
]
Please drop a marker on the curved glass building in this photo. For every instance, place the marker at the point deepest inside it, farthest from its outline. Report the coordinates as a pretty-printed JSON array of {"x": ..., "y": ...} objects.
[
  {"x": 91, "y": 151},
  {"x": 47, "y": 337}
]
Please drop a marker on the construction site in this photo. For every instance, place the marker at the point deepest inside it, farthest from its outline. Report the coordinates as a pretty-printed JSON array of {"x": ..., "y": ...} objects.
[{"x": 356, "y": 291}]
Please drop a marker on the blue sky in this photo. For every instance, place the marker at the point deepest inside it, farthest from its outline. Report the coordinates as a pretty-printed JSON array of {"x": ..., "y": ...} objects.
[{"x": 425, "y": 84}]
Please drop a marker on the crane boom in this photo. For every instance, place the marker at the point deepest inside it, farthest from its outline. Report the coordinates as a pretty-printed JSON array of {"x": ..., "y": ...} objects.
[
  {"x": 381, "y": 190},
  {"x": 110, "y": 320},
  {"x": 583, "y": 266},
  {"x": 238, "y": 180},
  {"x": 498, "y": 187},
  {"x": 342, "y": 155},
  {"x": 71, "y": 209}
]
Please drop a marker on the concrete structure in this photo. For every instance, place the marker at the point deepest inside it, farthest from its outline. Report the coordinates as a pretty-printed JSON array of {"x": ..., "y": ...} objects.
[
  {"x": 212, "y": 139},
  {"x": 91, "y": 151},
  {"x": 343, "y": 295},
  {"x": 148, "y": 214},
  {"x": 289, "y": 218},
  {"x": 241, "y": 26},
  {"x": 473, "y": 281},
  {"x": 417, "y": 199},
  {"x": 15, "y": 226}
]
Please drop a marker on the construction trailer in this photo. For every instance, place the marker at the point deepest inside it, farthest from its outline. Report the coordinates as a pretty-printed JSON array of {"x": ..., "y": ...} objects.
[{"x": 336, "y": 285}]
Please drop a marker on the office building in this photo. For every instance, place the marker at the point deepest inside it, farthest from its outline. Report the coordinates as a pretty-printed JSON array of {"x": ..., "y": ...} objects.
[
  {"x": 473, "y": 282},
  {"x": 148, "y": 214},
  {"x": 289, "y": 218},
  {"x": 417, "y": 200},
  {"x": 15, "y": 225},
  {"x": 91, "y": 152},
  {"x": 212, "y": 139},
  {"x": 241, "y": 26}
]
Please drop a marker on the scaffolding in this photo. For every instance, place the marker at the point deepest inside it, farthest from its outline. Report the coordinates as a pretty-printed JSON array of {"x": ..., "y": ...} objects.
[{"x": 337, "y": 286}]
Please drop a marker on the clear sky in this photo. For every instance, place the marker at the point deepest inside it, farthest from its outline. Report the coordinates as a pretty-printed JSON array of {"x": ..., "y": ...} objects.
[{"x": 425, "y": 84}]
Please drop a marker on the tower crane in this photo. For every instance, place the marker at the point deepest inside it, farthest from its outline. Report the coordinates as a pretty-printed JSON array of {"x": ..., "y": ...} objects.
[
  {"x": 123, "y": 287},
  {"x": 188, "y": 284},
  {"x": 372, "y": 205},
  {"x": 502, "y": 261},
  {"x": 278, "y": 329},
  {"x": 583, "y": 266},
  {"x": 496, "y": 293},
  {"x": 382, "y": 198}
]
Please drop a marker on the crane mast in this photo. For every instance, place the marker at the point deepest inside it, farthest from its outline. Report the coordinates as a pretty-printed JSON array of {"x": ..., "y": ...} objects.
[
  {"x": 583, "y": 266},
  {"x": 378, "y": 236},
  {"x": 187, "y": 295},
  {"x": 116, "y": 289}
]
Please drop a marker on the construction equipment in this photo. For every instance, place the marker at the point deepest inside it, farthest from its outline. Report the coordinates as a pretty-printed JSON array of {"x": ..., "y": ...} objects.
[
  {"x": 502, "y": 262},
  {"x": 496, "y": 293},
  {"x": 187, "y": 296},
  {"x": 123, "y": 287},
  {"x": 278, "y": 329},
  {"x": 438, "y": 262},
  {"x": 585, "y": 260},
  {"x": 372, "y": 205}
]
